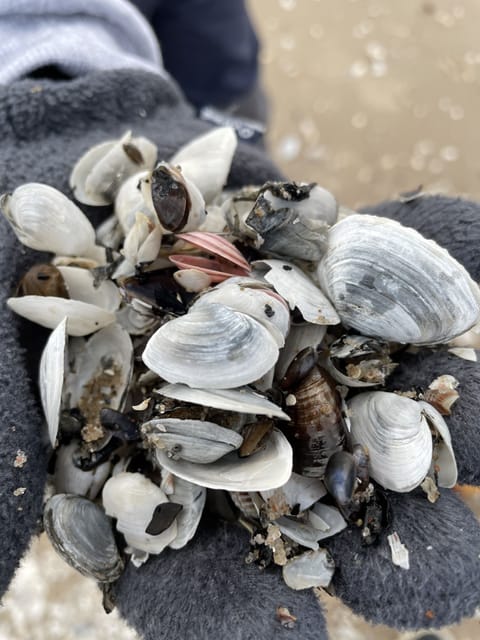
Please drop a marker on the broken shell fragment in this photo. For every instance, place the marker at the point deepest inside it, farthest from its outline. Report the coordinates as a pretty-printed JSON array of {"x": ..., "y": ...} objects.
[
  {"x": 211, "y": 347},
  {"x": 196, "y": 441},
  {"x": 82, "y": 534},
  {"x": 81, "y": 286},
  {"x": 268, "y": 469},
  {"x": 299, "y": 291},
  {"x": 132, "y": 499},
  {"x": 299, "y": 492},
  {"x": 311, "y": 569}
]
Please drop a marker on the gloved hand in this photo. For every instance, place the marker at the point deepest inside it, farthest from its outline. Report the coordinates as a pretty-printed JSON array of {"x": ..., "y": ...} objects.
[{"x": 205, "y": 590}]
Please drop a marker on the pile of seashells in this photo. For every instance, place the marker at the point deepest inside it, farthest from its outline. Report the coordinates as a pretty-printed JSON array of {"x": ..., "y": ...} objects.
[{"x": 209, "y": 341}]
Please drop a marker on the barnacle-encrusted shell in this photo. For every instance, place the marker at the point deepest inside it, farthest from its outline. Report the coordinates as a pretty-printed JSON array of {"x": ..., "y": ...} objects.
[
  {"x": 386, "y": 280},
  {"x": 397, "y": 436},
  {"x": 82, "y": 534},
  {"x": 267, "y": 469},
  {"x": 197, "y": 441},
  {"x": 43, "y": 218},
  {"x": 211, "y": 347}
]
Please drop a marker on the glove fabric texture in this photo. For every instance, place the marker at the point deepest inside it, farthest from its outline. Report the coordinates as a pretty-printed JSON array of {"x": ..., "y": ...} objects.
[{"x": 205, "y": 590}]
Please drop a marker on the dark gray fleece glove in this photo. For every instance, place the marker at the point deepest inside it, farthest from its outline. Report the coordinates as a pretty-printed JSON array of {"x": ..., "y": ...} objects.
[{"x": 205, "y": 590}]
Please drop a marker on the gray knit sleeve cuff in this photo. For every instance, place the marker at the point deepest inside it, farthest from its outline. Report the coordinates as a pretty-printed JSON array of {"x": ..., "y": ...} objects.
[{"x": 77, "y": 37}]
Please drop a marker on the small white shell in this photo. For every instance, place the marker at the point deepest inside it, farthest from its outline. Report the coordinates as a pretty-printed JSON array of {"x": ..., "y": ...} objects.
[
  {"x": 299, "y": 337},
  {"x": 267, "y": 469},
  {"x": 142, "y": 243},
  {"x": 70, "y": 479},
  {"x": 192, "y": 497},
  {"x": 320, "y": 205},
  {"x": 206, "y": 160},
  {"x": 80, "y": 285},
  {"x": 397, "y": 436},
  {"x": 48, "y": 311},
  {"x": 130, "y": 201},
  {"x": 242, "y": 400},
  {"x": 443, "y": 463},
  {"x": 192, "y": 280},
  {"x": 326, "y": 519},
  {"x": 52, "y": 365},
  {"x": 299, "y": 291},
  {"x": 96, "y": 177},
  {"x": 298, "y": 490},
  {"x": 211, "y": 347},
  {"x": 131, "y": 498},
  {"x": 45, "y": 219}
]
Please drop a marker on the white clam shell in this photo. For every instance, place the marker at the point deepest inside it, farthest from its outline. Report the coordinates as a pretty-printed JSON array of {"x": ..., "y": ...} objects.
[
  {"x": 192, "y": 280},
  {"x": 80, "y": 285},
  {"x": 386, "y": 280},
  {"x": 259, "y": 303},
  {"x": 196, "y": 441},
  {"x": 52, "y": 366},
  {"x": 267, "y": 469},
  {"x": 241, "y": 400},
  {"x": 130, "y": 201},
  {"x": 131, "y": 498},
  {"x": 443, "y": 463},
  {"x": 299, "y": 291},
  {"x": 142, "y": 243},
  {"x": 43, "y": 218},
  {"x": 211, "y": 347},
  {"x": 48, "y": 311},
  {"x": 192, "y": 498},
  {"x": 397, "y": 436},
  {"x": 96, "y": 177},
  {"x": 206, "y": 160}
]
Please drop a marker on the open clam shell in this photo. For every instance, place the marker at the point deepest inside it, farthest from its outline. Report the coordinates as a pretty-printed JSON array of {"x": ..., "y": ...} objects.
[
  {"x": 211, "y": 347},
  {"x": 82, "y": 534},
  {"x": 387, "y": 281},
  {"x": 52, "y": 366},
  {"x": 196, "y": 441},
  {"x": 96, "y": 177},
  {"x": 397, "y": 436},
  {"x": 267, "y": 469}
]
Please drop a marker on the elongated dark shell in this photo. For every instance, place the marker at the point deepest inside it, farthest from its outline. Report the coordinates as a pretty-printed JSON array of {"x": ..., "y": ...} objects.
[
  {"x": 82, "y": 534},
  {"x": 317, "y": 422}
]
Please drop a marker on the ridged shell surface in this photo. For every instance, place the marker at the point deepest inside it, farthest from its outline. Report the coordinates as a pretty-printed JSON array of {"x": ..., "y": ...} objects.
[
  {"x": 211, "y": 347},
  {"x": 396, "y": 435},
  {"x": 388, "y": 281}
]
